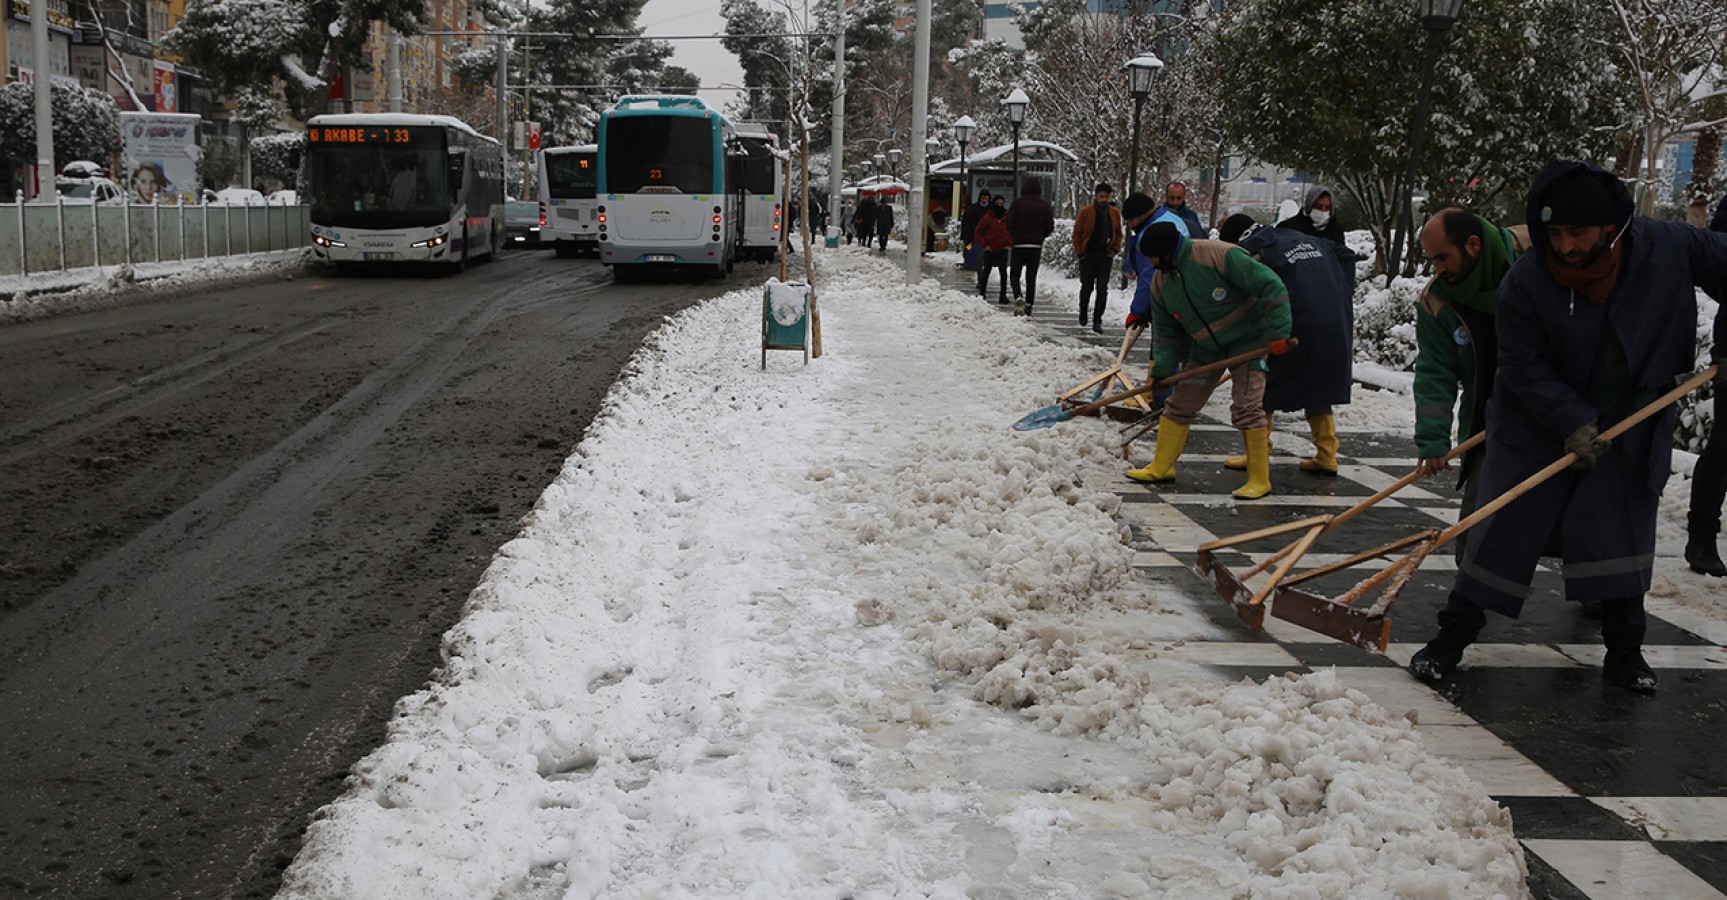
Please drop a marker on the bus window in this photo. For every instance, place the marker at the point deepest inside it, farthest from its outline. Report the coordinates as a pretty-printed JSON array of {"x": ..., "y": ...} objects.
[
  {"x": 759, "y": 171},
  {"x": 571, "y": 176},
  {"x": 350, "y": 184},
  {"x": 659, "y": 152}
]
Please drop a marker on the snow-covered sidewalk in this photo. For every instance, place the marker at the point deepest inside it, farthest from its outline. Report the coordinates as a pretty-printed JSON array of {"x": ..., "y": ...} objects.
[
  {"x": 42, "y": 294},
  {"x": 839, "y": 631}
]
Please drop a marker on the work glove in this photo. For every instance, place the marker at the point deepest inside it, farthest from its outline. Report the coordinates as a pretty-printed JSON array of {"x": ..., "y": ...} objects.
[
  {"x": 1587, "y": 444},
  {"x": 1279, "y": 347},
  {"x": 1134, "y": 321}
]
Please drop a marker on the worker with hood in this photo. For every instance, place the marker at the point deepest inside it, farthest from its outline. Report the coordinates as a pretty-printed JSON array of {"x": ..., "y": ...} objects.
[
  {"x": 1317, "y": 217},
  {"x": 1594, "y": 323}
]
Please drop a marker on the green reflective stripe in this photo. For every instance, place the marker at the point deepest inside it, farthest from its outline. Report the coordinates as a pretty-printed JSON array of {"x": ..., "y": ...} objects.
[
  {"x": 1602, "y": 568},
  {"x": 1503, "y": 585},
  {"x": 1433, "y": 410}
]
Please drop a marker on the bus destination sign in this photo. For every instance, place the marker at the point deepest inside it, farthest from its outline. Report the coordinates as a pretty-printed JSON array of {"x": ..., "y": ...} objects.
[{"x": 383, "y": 135}]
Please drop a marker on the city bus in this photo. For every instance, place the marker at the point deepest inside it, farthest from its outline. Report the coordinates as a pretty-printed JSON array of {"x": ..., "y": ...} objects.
[
  {"x": 568, "y": 179},
  {"x": 398, "y": 188},
  {"x": 759, "y": 178},
  {"x": 665, "y": 187}
]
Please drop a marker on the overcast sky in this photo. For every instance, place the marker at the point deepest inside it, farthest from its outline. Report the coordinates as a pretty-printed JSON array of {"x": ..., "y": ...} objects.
[{"x": 712, "y": 63}]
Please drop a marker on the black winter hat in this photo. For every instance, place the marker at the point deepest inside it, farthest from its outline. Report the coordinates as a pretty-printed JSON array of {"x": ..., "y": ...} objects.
[
  {"x": 1159, "y": 241},
  {"x": 1235, "y": 228},
  {"x": 984, "y": 194},
  {"x": 1103, "y": 188},
  {"x": 1137, "y": 205},
  {"x": 1578, "y": 199}
]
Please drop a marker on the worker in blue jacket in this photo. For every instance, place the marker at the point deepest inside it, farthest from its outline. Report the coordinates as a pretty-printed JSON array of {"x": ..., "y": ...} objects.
[{"x": 1595, "y": 322}]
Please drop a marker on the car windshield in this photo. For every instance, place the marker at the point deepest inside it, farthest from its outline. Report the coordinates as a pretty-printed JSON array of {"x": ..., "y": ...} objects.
[
  {"x": 523, "y": 211},
  {"x": 76, "y": 190}
]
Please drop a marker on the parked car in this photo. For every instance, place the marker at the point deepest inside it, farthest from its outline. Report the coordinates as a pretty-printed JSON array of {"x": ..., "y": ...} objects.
[
  {"x": 234, "y": 196},
  {"x": 88, "y": 190},
  {"x": 81, "y": 169},
  {"x": 523, "y": 220},
  {"x": 284, "y": 198}
]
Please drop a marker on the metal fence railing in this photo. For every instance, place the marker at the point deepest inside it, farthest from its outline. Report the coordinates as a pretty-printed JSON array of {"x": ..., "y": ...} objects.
[{"x": 53, "y": 236}]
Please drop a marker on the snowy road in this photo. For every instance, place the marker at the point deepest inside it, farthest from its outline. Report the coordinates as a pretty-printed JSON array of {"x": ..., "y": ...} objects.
[{"x": 236, "y": 523}]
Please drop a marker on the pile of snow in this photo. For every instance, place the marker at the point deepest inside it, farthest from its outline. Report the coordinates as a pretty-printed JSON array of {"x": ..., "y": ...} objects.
[
  {"x": 839, "y": 631},
  {"x": 45, "y": 294}
]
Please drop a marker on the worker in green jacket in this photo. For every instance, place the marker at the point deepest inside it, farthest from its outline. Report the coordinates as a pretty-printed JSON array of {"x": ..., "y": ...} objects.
[
  {"x": 1455, "y": 337},
  {"x": 1225, "y": 302}
]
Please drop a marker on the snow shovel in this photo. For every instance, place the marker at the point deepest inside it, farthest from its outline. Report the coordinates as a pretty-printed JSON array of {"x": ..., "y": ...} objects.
[
  {"x": 1112, "y": 377},
  {"x": 1052, "y": 415},
  {"x": 1370, "y": 629},
  {"x": 1250, "y": 604},
  {"x": 1148, "y": 423}
]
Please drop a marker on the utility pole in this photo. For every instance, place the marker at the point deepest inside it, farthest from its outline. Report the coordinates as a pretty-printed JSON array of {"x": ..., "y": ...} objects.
[
  {"x": 527, "y": 109},
  {"x": 503, "y": 98},
  {"x": 919, "y": 130},
  {"x": 393, "y": 69},
  {"x": 41, "y": 71},
  {"x": 836, "y": 166}
]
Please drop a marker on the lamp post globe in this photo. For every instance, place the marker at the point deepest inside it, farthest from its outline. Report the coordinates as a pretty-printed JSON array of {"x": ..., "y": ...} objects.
[
  {"x": 893, "y": 156},
  {"x": 1142, "y": 72},
  {"x": 1017, "y": 103}
]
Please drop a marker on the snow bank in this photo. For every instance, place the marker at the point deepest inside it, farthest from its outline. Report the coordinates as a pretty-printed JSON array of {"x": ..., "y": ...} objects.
[{"x": 838, "y": 630}]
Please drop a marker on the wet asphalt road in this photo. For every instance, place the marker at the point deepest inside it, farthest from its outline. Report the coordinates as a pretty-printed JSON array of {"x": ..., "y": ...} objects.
[{"x": 233, "y": 526}]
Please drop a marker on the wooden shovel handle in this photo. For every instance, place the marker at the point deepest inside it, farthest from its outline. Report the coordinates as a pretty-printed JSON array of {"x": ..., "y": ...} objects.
[
  {"x": 1156, "y": 383},
  {"x": 1564, "y": 462}
]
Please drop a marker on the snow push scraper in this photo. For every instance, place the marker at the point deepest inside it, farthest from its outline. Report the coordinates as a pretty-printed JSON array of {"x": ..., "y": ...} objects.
[
  {"x": 1069, "y": 408},
  {"x": 1370, "y": 628}
]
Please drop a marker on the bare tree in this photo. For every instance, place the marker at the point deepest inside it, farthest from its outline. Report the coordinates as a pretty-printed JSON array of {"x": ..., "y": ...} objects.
[{"x": 1674, "y": 53}]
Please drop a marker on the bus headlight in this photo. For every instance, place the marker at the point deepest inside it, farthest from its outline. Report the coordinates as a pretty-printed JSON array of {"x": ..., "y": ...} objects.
[
  {"x": 436, "y": 240},
  {"x": 322, "y": 241}
]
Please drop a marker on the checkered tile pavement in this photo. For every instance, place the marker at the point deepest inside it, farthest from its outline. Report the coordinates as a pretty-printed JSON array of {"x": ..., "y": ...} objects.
[{"x": 1613, "y": 795}]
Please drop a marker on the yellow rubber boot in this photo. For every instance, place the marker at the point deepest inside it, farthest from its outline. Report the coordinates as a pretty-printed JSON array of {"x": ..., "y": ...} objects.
[
  {"x": 1258, "y": 465},
  {"x": 1324, "y": 460},
  {"x": 1171, "y": 440},
  {"x": 1239, "y": 463}
]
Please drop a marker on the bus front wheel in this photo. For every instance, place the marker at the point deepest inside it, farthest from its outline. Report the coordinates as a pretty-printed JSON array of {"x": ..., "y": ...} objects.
[{"x": 459, "y": 261}]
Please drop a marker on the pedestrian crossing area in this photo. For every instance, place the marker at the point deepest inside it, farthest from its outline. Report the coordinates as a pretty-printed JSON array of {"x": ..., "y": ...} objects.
[{"x": 1613, "y": 795}]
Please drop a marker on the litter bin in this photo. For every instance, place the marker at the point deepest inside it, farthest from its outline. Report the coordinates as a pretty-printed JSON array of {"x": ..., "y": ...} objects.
[
  {"x": 833, "y": 236},
  {"x": 786, "y": 318}
]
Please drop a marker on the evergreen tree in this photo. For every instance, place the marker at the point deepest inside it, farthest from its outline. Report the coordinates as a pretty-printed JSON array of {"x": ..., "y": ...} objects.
[{"x": 86, "y": 124}]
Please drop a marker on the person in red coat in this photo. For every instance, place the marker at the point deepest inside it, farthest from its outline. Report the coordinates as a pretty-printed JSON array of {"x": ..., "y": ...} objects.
[{"x": 993, "y": 243}]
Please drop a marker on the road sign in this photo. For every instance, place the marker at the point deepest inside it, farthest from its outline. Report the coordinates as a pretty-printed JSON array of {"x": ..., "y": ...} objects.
[{"x": 533, "y": 135}]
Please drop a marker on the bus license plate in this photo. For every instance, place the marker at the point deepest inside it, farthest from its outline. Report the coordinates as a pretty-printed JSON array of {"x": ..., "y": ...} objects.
[
  {"x": 659, "y": 257},
  {"x": 383, "y": 256}
]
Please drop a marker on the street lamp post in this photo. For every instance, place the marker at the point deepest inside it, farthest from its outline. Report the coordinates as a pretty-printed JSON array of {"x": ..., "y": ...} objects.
[
  {"x": 893, "y": 156},
  {"x": 1142, "y": 71},
  {"x": 1438, "y": 17},
  {"x": 879, "y": 160},
  {"x": 1016, "y": 104},
  {"x": 962, "y": 131}
]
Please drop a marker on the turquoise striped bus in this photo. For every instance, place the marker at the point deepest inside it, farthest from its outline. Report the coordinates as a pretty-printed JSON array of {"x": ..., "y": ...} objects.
[{"x": 666, "y": 199}]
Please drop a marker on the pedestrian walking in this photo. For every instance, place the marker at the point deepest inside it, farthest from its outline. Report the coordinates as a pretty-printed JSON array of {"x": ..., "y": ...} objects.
[
  {"x": 1096, "y": 241},
  {"x": 1030, "y": 220},
  {"x": 848, "y": 225},
  {"x": 1456, "y": 341},
  {"x": 1316, "y": 216},
  {"x": 1593, "y": 324},
  {"x": 883, "y": 223},
  {"x": 1175, "y": 203},
  {"x": 1226, "y": 303},
  {"x": 993, "y": 244},
  {"x": 1316, "y": 374},
  {"x": 865, "y": 219},
  {"x": 1709, "y": 478},
  {"x": 968, "y": 228}
]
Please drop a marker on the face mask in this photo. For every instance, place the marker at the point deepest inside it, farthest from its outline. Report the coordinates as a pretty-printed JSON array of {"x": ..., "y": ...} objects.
[{"x": 1320, "y": 217}]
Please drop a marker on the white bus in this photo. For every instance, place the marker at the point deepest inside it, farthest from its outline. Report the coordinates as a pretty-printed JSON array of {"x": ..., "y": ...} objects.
[
  {"x": 398, "y": 188},
  {"x": 759, "y": 178},
  {"x": 665, "y": 187},
  {"x": 569, "y": 177}
]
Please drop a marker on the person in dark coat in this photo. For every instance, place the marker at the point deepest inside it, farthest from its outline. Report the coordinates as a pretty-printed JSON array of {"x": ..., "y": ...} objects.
[
  {"x": 1030, "y": 220},
  {"x": 864, "y": 220},
  {"x": 1175, "y": 203},
  {"x": 1709, "y": 479},
  {"x": 968, "y": 228},
  {"x": 1316, "y": 217},
  {"x": 1316, "y": 373},
  {"x": 883, "y": 223},
  {"x": 1596, "y": 321},
  {"x": 1096, "y": 241}
]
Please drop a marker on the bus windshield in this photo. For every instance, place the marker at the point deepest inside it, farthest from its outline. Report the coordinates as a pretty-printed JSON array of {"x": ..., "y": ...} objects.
[
  {"x": 660, "y": 152},
  {"x": 379, "y": 186},
  {"x": 571, "y": 176}
]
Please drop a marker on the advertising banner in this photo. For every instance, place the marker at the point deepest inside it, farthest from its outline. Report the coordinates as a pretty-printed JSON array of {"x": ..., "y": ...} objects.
[
  {"x": 160, "y": 155},
  {"x": 167, "y": 100}
]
